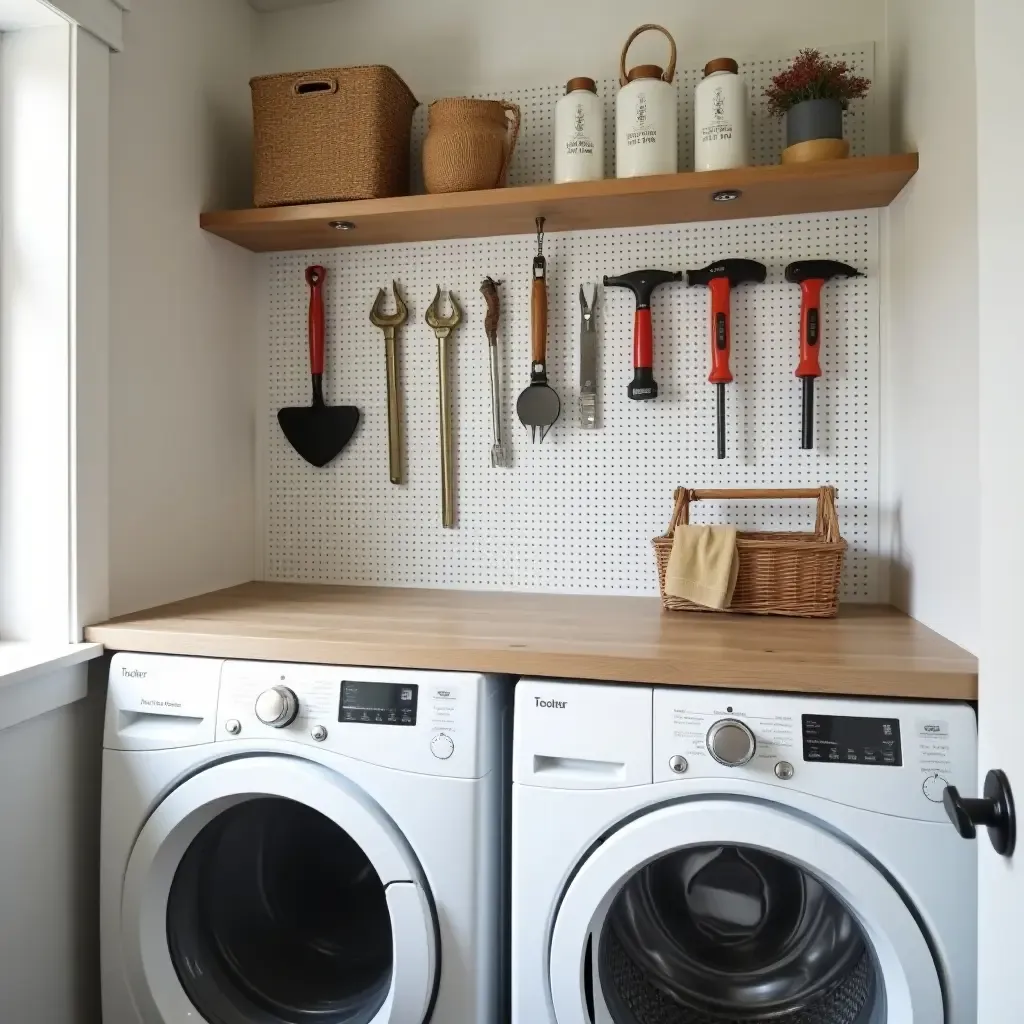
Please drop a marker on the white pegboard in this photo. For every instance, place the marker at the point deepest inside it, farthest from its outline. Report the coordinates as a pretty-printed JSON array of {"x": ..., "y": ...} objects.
[{"x": 576, "y": 513}]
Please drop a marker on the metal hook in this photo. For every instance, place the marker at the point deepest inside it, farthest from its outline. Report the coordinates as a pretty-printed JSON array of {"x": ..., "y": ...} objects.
[{"x": 540, "y": 235}]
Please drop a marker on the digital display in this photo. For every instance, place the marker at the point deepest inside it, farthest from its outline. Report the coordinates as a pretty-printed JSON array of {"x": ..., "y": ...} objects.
[
  {"x": 378, "y": 703},
  {"x": 834, "y": 739}
]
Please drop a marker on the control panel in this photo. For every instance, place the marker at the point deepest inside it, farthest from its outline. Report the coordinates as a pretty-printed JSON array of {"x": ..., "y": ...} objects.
[
  {"x": 891, "y": 756},
  {"x": 852, "y": 739},
  {"x": 428, "y": 722},
  {"x": 366, "y": 703}
]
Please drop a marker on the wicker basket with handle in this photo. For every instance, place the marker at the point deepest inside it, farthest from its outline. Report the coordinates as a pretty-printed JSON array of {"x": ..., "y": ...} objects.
[
  {"x": 322, "y": 136},
  {"x": 779, "y": 573}
]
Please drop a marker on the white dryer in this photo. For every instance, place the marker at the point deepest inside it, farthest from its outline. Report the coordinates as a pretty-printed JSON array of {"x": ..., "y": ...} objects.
[
  {"x": 301, "y": 844},
  {"x": 686, "y": 856}
]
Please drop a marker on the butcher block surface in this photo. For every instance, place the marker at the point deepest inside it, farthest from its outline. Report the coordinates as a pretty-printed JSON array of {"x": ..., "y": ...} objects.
[{"x": 869, "y": 650}]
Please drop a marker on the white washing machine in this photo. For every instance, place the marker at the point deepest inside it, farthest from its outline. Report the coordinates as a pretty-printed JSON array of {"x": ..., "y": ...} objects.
[
  {"x": 302, "y": 844},
  {"x": 698, "y": 857}
]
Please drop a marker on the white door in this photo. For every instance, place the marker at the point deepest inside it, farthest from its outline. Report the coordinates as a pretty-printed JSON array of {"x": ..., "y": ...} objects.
[
  {"x": 267, "y": 889},
  {"x": 783, "y": 921},
  {"x": 999, "y": 29}
]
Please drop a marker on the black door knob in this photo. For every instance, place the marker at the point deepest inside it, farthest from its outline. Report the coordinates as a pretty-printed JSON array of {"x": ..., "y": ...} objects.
[{"x": 994, "y": 811}]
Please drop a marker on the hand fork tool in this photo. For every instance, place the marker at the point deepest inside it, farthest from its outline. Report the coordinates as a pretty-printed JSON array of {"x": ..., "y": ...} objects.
[
  {"x": 388, "y": 324},
  {"x": 812, "y": 275},
  {"x": 500, "y": 456},
  {"x": 588, "y": 361},
  {"x": 443, "y": 327}
]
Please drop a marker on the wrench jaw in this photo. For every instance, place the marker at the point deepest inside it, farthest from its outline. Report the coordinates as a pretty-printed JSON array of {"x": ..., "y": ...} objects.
[
  {"x": 446, "y": 323},
  {"x": 389, "y": 320},
  {"x": 442, "y": 327}
]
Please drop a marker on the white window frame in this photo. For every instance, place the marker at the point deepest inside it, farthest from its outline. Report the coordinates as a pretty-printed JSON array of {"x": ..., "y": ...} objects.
[{"x": 54, "y": 575}]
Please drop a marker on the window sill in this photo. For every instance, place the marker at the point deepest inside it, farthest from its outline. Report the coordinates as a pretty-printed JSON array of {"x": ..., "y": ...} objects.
[{"x": 37, "y": 678}]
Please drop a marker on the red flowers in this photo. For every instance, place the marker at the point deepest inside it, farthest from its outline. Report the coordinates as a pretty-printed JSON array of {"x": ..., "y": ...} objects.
[{"x": 812, "y": 77}]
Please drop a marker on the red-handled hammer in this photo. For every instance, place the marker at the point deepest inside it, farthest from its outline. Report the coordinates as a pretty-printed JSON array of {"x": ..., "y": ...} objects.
[
  {"x": 642, "y": 283},
  {"x": 721, "y": 278},
  {"x": 811, "y": 275}
]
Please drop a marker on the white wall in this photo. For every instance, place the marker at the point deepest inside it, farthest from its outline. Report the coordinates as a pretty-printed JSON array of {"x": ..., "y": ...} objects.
[
  {"x": 183, "y": 311},
  {"x": 448, "y": 47},
  {"x": 49, "y": 862},
  {"x": 1000, "y": 154},
  {"x": 931, "y": 331}
]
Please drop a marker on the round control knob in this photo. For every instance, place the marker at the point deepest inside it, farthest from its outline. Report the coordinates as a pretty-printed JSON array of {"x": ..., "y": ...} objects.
[
  {"x": 319, "y": 733},
  {"x": 233, "y": 726},
  {"x": 731, "y": 743},
  {"x": 441, "y": 746},
  {"x": 934, "y": 786},
  {"x": 277, "y": 707},
  {"x": 678, "y": 763}
]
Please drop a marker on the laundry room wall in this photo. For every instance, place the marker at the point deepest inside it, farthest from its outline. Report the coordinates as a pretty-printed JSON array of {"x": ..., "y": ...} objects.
[
  {"x": 183, "y": 308},
  {"x": 49, "y": 855},
  {"x": 573, "y": 504},
  {"x": 462, "y": 47},
  {"x": 930, "y": 328}
]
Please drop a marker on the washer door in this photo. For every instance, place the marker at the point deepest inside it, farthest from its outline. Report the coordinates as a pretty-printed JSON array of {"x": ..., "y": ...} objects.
[
  {"x": 719, "y": 911},
  {"x": 268, "y": 890}
]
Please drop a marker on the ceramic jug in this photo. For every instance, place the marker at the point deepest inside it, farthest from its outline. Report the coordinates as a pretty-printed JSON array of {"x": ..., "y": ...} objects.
[
  {"x": 469, "y": 144},
  {"x": 646, "y": 115}
]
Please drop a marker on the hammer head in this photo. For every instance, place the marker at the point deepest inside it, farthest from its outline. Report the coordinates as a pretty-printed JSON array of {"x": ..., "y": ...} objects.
[
  {"x": 643, "y": 282},
  {"x": 818, "y": 270},
  {"x": 735, "y": 271}
]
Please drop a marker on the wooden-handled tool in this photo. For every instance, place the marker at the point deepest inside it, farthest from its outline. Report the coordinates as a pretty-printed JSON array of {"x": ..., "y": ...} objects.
[
  {"x": 500, "y": 455},
  {"x": 539, "y": 406}
]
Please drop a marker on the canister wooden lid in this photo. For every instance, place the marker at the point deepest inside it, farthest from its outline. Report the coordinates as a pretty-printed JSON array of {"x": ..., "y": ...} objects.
[
  {"x": 721, "y": 64},
  {"x": 644, "y": 71},
  {"x": 581, "y": 83}
]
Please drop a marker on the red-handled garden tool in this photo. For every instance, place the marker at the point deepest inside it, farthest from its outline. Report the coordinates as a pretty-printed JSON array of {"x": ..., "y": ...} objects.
[
  {"x": 811, "y": 275},
  {"x": 642, "y": 283},
  {"x": 721, "y": 278},
  {"x": 318, "y": 432}
]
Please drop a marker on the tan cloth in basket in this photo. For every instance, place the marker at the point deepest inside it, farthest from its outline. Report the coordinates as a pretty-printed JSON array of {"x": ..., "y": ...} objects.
[{"x": 703, "y": 565}]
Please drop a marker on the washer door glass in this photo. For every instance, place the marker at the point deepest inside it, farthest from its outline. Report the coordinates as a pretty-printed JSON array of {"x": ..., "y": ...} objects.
[
  {"x": 720, "y": 910},
  {"x": 728, "y": 933},
  {"x": 271, "y": 890},
  {"x": 275, "y": 914}
]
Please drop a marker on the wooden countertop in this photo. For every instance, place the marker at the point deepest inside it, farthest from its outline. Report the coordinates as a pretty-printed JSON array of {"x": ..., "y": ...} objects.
[{"x": 868, "y": 650}]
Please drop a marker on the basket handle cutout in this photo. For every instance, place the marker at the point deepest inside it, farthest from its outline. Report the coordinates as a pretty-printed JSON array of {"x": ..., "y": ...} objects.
[{"x": 317, "y": 86}]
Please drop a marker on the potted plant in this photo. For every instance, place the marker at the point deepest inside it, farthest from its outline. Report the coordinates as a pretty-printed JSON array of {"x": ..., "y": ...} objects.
[{"x": 812, "y": 96}]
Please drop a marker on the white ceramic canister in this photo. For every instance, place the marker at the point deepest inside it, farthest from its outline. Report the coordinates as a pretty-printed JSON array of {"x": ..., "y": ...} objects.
[
  {"x": 721, "y": 106},
  {"x": 646, "y": 116},
  {"x": 579, "y": 133}
]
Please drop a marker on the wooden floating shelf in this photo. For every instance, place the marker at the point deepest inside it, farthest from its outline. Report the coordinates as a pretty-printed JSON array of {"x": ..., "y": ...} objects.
[{"x": 859, "y": 183}]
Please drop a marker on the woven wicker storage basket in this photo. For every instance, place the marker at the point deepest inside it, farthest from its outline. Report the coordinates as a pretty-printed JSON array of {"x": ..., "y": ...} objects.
[
  {"x": 322, "y": 136},
  {"x": 779, "y": 573}
]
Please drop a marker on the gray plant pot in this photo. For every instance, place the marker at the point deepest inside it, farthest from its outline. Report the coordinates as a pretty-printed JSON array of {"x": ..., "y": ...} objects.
[{"x": 814, "y": 119}]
